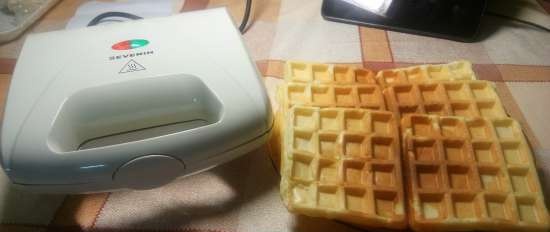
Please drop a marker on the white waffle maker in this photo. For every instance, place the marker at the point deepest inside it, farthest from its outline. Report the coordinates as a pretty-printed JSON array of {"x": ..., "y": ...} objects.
[{"x": 131, "y": 105}]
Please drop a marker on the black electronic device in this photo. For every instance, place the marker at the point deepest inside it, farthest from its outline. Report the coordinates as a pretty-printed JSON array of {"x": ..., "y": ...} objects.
[{"x": 450, "y": 19}]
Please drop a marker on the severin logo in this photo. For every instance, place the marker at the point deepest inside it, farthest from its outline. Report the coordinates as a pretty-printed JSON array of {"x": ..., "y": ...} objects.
[{"x": 130, "y": 44}]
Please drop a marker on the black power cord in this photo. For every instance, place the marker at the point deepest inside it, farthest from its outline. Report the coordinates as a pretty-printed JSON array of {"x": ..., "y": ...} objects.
[
  {"x": 113, "y": 14},
  {"x": 246, "y": 16},
  {"x": 495, "y": 14}
]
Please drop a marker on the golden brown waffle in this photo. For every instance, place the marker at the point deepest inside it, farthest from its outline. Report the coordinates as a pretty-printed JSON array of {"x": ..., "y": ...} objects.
[
  {"x": 470, "y": 174},
  {"x": 344, "y": 164},
  {"x": 458, "y": 98},
  {"x": 458, "y": 70},
  {"x": 368, "y": 96},
  {"x": 304, "y": 72}
]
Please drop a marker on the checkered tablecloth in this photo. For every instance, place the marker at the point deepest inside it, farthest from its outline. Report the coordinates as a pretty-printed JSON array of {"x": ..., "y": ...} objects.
[{"x": 242, "y": 195}]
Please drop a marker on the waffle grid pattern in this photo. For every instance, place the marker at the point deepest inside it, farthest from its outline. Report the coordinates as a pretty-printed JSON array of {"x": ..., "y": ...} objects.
[
  {"x": 453, "y": 98},
  {"x": 368, "y": 96},
  {"x": 300, "y": 72},
  {"x": 344, "y": 164},
  {"x": 470, "y": 174},
  {"x": 458, "y": 70},
  {"x": 467, "y": 165}
]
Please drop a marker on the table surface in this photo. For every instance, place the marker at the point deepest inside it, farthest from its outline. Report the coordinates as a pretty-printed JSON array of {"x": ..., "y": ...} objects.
[{"x": 242, "y": 195}]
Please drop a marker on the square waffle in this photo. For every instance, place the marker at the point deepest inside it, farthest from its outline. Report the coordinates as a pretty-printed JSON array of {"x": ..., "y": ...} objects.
[
  {"x": 344, "y": 164},
  {"x": 323, "y": 85},
  {"x": 470, "y": 174},
  {"x": 472, "y": 98},
  {"x": 458, "y": 70},
  {"x": 305, "y": 72}
]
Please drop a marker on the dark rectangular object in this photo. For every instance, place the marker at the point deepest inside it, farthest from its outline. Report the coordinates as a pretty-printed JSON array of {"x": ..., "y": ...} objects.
[{"x": 450, "y": 19}]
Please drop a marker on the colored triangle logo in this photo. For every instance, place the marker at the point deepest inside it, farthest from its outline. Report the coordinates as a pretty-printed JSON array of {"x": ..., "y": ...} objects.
[{"x": 131, "y": 66}]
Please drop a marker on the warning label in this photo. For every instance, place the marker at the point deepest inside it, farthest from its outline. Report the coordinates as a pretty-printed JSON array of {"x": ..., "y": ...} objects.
[{"x": 131, "y": 66}]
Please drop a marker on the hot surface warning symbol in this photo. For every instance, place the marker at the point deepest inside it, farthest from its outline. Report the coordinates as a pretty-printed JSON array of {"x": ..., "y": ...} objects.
[{"x": 132, "y": 66}]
